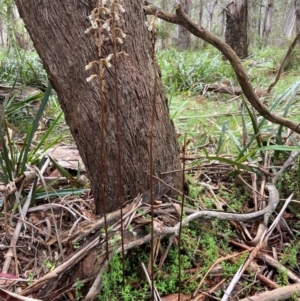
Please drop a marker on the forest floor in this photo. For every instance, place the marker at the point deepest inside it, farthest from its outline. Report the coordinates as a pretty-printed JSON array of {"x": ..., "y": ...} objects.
[{"x": 59, "y": 250}]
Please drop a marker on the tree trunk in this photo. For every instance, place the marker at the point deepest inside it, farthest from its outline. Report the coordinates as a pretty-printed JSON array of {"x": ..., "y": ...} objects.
[
  {"x": 297, "y": 11},
  {"x": 57, "y": 29},
  {"x": 184, "y": 36},
  {"x": 164, "y": 27},
  {"x": 200, "y": 17},
  {"x": 210, "y": 7},
  {"x": 268, "y": 10},
  {"x": 259, "y": 20},
  {"x": 289, "y": 19},
  {"x": 2, "y": 32},
  {"x": 236, "y": 27}
]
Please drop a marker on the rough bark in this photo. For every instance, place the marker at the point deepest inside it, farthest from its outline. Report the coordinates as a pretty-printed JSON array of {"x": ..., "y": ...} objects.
[
  {"x": 236, "y": 27},
  {"x": 269, "y": 9},
  {"x": 57, "y": 30},
  {"x": 184, "y": 36},
  {"x": 259, "y": 21},
  {"x": 164, "y": 37},
  {"x": 297, "y": 12},
  {"x": 200, "y": 17}
]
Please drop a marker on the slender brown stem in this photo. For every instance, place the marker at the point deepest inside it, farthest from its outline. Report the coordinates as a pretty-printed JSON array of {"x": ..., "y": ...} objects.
[
  {"x": 284, "y": 61},
  {"x": 118, "y": 133},
  {"x": 151, "y": 161},
  {"x": 102, "y": 165},
  {"x": 102, "y": 168},
  {"x": 181, "y": 216}
]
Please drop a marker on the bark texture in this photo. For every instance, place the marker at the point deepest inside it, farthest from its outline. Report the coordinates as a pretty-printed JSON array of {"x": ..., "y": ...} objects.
[
  {"x": 297, "y": 12},
  {"x": 184, "y": 36},
  {"x": 268, "y": 10},
  {"x": 236, "y": 27},
  {"x": 57, "y": 30}
]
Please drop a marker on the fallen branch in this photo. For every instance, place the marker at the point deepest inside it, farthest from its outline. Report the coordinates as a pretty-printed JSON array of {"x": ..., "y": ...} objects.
[
  {"x": 138, "y": 236},
  {"x": 282, "y": 293},
  {"x": 284, "y": 61},
  {"x": 264, "y": 238},
  {"x": 270, "y": 261},
  {"x": 11, "y": 251},
  {"x": 182, "y": 19},
  {"x": 223, "y": 89}
]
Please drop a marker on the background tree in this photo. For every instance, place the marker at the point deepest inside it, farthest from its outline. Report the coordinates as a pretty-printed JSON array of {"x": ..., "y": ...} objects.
[
  {"x": 164, "y": 28},
  {"x": 200, "y": 18},
  {"x": 210, "y": 8},
  {"x": 268, "y": 14},
  {"x": 11, "y": 27},
  {"x": 236, "y": 27},
  {"x": 297, "y": 12},
  {"x": 57, "y": 30},
  {"x": 184, "y": 36},
  {"x": 289, "y": 19}
]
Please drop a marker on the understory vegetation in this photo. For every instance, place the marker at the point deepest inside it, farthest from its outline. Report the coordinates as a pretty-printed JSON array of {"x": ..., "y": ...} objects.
[{"x": 228, "y": 150}]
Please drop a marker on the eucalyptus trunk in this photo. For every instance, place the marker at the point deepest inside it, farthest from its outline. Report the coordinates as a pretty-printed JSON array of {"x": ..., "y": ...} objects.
[
  {"x": 236, "y": 27},
  {"x": 297, "y": 12},
  {"x": 268, "y": 10},
  {"x": 289, "y": 18},
  {"x": 57, "y": 29},
  {"x": 184, "y": 36}
]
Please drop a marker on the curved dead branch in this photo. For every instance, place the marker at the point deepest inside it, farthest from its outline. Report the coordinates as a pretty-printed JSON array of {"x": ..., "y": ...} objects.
[
  {"x": 284, "y": 61},
  {"x": 180, "y": 18},
  {"x": 281, "y": 293},
  {"x": 273, "y": 202}
]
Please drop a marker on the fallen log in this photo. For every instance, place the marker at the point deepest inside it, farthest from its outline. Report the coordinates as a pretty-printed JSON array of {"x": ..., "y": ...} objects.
[{"x": 219, "y": 88}]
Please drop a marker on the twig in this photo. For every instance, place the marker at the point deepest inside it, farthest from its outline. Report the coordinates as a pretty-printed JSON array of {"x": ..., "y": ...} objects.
[
  {"x": 285, "y": 59},
  {"x": 166, "y": 252},
  {"x": 287, "y": 164},
  {"x": 67, "y": 204},
  {"x": 53, "y": 215},
  {"x": 15, "y": 236},
  {"x": 33, "y": 226},
  {"x": 254, "y": 252},
  {"x": 181, "y": 217},
  {"x": 153, "y": 289},
  {"x": 172, "y": 187},
  {"x": 7, "y": 295},
  {"x": 263, "y": 279},
  {"x": 95, "y": 288},
  {"x": 118, "y": 129},
  {"x": 140, "y": 239},
  {"x": 52, "y": 205},
  {"x": 128, "y": 217},
  {"x": 282, "y": 293},
  {"x": 218, "y": 261},
  {"x": 203, "y": 295},
  {"x": 67, "y": 265},
  {"x": 278, "y": 266},
  {"x": 270, "y": 261}
]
